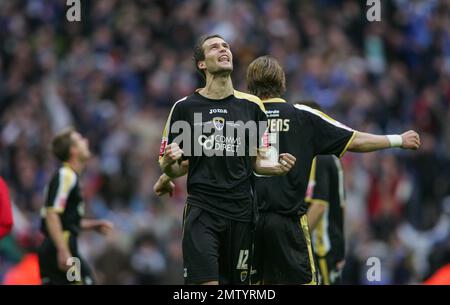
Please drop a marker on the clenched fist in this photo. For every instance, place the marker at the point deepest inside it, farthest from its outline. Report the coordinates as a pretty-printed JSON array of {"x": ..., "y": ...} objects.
[
  {"x": 411, "y": 140},
  {"x": 172, "y": 153},
  {"x": 164, "y": 185},
  {"x": 286, "y": 162}
]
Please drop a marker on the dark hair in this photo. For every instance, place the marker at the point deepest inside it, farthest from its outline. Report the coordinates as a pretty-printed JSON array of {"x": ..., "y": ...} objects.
[
  {"x": 310, "y": 103},
  {"x": 61, "y": 144},
  {"x": 199, "y": 52},
  {"x": 265, "y": 78}
]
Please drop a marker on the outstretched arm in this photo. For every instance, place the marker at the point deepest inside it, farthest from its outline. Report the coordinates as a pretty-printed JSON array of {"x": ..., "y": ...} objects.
[{"x": 366, "y": 142}]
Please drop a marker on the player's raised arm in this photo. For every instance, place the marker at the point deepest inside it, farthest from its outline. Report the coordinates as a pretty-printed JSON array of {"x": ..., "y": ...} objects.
[
  {"x": 333, "y": 137},
  {"x": 366, "y": 142}
]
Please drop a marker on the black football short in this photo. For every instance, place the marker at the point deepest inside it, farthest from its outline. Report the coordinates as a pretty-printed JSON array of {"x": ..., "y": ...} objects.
[
  {"x": 283, "y": 250},
  {"x": 215, "y": 248},
  {"x": 50, "y": 272}
]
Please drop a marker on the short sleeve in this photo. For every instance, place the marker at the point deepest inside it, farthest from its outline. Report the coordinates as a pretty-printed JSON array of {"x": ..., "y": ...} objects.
[
  {"x": 263, "y": 132},
  {"x": 168, "y": 135},
  {"x": 329, "y": 136},
  {"x": 60, "y": 188}
]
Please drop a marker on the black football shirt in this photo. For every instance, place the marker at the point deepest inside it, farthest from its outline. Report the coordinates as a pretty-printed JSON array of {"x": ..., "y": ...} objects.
[
  {"x": 303, "y": 132},
  {"x": 327, "y": 188},
  {"x": 63, "y": 196},
  {"x": 220, "y": 150}
]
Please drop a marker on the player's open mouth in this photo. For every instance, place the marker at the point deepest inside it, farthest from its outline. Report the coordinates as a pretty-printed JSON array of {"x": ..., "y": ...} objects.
[{"x": 224, "y": 58}]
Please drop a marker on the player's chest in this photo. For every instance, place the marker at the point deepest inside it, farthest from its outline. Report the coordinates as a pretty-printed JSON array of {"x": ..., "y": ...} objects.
[
  {"x": 218, "y": 115},
  {"x": 75, "y": 202}
]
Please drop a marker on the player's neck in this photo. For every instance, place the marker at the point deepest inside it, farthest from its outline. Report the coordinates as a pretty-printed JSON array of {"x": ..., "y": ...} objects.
[
  {"x": 217, "y": 87},
  {"x": 76, "y": 165}
]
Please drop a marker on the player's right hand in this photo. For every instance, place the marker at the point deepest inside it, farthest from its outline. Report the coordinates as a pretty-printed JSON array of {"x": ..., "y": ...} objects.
[
  {"x": 172, "y": 153},
  {"x": 63, "y": 256},
  {"x": 411, "y": 140},
  {"x": 104, "y": 226}
]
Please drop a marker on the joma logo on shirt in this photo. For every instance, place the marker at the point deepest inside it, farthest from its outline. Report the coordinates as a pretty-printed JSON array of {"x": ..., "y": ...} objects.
[
  {"x": 232, "y": 143},
  {"x": 213, "y": 111}
]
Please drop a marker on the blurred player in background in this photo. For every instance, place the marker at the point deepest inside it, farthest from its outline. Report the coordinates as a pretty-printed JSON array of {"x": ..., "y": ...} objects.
[
  {"x": 326, "y": 198},
  {"x": 62, "y": 215},
  {"x": 283, "y": 243},
  {"x": 217, "y": 230}
]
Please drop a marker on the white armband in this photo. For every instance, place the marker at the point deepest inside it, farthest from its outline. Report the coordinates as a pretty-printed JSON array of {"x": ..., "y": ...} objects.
[{"x": 395, "y": 140}]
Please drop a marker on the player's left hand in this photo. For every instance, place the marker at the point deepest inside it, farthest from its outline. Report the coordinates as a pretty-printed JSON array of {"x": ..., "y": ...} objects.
[
  {"x": 104, "y": 226},
  {"x": 286, "y": 162},
  {"x": 163, "y": 186},
  {"x": 411, "y": 140}
]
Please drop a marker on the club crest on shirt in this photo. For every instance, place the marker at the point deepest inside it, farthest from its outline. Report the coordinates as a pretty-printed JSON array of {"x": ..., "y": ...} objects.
[{"x": 218, "y": 122}]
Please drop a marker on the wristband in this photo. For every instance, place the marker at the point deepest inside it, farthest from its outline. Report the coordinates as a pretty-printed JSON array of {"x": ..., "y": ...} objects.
[{"x": 395, "y": 140}]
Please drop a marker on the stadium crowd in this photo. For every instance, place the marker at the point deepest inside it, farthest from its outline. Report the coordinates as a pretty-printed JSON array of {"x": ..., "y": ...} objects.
[{"x": 115, "y": 75}]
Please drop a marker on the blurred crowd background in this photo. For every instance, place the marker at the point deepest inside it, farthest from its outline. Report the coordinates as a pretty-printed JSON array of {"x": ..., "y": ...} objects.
[{"x": 115, "y": 75}]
